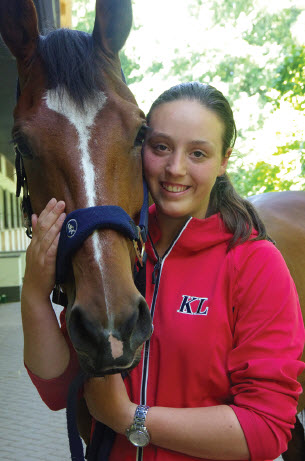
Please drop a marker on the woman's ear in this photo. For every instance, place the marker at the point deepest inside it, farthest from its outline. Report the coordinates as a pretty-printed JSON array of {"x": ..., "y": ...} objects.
[{"x": 224, "y": 162}]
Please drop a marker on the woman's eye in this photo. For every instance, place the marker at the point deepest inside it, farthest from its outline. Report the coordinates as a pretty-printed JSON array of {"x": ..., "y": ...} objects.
[
  {"x": 161, "y": 147},
  {"x": 198, "y": 154}
]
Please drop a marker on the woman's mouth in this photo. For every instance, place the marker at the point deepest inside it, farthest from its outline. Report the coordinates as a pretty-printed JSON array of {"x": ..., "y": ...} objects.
[{"x": 174, "y": 187}]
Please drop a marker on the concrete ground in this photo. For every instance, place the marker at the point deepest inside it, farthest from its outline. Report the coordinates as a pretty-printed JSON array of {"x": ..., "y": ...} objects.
[{"x": 29, "y": 431}]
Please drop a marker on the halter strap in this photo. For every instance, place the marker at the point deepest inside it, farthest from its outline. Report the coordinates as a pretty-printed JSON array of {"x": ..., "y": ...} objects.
[{"x": 75, "y": 443}]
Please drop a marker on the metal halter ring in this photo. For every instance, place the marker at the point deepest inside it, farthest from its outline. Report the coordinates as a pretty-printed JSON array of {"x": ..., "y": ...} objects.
[{"x": 140, "y": 252}]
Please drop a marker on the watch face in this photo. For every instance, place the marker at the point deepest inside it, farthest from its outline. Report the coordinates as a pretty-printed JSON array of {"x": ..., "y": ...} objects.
[{"x": 139, "y": 438}]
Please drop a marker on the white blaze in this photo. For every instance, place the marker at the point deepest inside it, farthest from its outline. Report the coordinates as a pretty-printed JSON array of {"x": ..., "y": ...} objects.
[{"x": 83, "y": 120}]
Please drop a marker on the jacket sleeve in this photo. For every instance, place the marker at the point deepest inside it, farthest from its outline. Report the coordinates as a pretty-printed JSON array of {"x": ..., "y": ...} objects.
[
  {"x": 268, "y": 342},
  {"x": 54, "y": 392}
]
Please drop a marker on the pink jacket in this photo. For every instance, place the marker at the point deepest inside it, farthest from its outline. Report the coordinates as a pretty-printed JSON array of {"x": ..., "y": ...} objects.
[{"x": 227, "y": 330}]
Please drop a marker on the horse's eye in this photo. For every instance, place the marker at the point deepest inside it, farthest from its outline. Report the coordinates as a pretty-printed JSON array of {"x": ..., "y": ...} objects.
[
  {"x": 23, "y": 149},
  {"x": 140, "y": 136}
]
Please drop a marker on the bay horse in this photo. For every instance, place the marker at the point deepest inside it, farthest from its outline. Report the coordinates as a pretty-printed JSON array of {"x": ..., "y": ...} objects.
[
  {"x": 283, "y": 214},
  {"x": 79, "y": 132}
]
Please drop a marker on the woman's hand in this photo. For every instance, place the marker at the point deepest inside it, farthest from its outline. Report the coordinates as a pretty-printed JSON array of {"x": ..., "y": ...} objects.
[
  {"x": 39, "y": 275},
  {"x": 46, "y": 352},
  {"x": 108, "y": 402}
]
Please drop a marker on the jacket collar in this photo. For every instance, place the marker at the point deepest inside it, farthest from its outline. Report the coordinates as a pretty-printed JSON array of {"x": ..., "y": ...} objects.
[{"x": 197, "y": 235}]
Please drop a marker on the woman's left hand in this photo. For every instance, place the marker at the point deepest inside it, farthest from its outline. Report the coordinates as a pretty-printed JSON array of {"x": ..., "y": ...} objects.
[{"x": 108, "y": 402}]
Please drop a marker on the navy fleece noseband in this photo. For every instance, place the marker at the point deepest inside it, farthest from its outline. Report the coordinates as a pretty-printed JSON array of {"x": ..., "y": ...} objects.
[{"x": 81, "y": 223}]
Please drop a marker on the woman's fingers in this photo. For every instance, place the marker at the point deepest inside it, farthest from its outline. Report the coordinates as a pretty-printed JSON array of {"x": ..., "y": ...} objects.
[
  {"x": 53, "y": 233},
  {"x": 34, "y": 221},
  {"x": 52, "y": 251},
  {"x": 42, "y": 251},
  {"x": 48, "y": 218},
  {"x": 46, "y": 230},
  {"x": 49, "y": 206}
]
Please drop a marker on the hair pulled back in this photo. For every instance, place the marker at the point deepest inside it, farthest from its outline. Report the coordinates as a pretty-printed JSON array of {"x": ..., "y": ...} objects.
[{"x": 238, "y": 215}]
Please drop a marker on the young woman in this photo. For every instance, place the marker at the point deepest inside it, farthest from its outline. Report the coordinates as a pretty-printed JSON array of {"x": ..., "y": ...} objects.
[{"x": 218, "y": 378}]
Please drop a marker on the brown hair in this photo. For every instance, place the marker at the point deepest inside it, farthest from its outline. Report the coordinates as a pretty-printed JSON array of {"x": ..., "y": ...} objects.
[{"x": 239, "y": 215}]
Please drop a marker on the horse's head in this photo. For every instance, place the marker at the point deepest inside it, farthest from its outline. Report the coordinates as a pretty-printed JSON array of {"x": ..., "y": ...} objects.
[{"x": 77, "y": 127}]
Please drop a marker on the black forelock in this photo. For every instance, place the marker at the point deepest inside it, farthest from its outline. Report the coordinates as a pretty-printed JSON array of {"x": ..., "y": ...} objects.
[{"x": 70, "y": 61}]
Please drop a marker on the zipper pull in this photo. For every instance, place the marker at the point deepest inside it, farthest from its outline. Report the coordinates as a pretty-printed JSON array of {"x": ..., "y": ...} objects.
[{"x": 156, "y": 271}]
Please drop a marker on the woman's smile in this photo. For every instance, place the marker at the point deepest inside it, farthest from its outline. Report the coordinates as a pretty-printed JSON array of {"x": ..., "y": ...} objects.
[{"x": 174, "y": 188}]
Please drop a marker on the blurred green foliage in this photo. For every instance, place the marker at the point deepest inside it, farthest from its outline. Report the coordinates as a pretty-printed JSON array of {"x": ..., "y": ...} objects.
[
  {"x": 86, "y": 20},
  {"x": 259, "y": 178},
  {"x": 290, "y": 77},
  {"x": 273, "y": 76}
]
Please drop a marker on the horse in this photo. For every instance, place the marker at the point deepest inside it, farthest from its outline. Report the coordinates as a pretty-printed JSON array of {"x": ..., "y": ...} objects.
[
  {"x": 283, "y": 214},
  {"x": 78, "y": 132}
]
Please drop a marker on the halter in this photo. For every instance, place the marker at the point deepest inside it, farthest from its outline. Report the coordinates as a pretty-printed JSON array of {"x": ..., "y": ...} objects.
[{"x": 81, "y": 223}]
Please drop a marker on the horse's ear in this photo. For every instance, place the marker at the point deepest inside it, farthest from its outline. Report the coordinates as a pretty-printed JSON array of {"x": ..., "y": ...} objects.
[
  {"x": 112, "y": 25},
  {"x": 19, "y": 27}
]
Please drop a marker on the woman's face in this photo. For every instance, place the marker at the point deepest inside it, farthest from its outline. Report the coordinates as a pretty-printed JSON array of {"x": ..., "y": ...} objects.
[{"x": 183, "y": 157}]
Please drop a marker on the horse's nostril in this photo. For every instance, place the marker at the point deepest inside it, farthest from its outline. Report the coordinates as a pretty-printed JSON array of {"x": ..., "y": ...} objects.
[
  {"x": 127, "y": 327},
  {"x": 143, "y": 328},
  {"x": 81, "y": 329}
]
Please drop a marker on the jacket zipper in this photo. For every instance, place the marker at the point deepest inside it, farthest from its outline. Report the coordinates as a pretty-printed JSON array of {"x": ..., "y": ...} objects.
[
  {"x": 156, "y": 270},
  {"x": 156, "y": 275}
]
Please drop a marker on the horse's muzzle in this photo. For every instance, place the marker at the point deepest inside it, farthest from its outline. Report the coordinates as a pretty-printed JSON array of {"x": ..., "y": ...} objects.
[{"x": 112, "y": 348}]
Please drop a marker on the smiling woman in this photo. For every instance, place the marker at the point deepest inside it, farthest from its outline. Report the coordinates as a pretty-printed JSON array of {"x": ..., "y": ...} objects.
[
  {"x": 213, "y": 381},
  {"x": 192, "y": 133}
]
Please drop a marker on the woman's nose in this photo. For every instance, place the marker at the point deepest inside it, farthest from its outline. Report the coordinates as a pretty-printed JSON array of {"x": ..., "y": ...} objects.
[{"x": 176, "y": 165}]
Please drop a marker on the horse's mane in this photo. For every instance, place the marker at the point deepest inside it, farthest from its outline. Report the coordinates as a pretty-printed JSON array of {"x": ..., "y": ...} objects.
[{"x": 71, "y": 63}]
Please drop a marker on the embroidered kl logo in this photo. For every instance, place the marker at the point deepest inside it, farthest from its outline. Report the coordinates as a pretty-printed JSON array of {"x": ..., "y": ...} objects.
[
  {"x": 71, "y": 228},
  {"x": 193, "y": 305}
]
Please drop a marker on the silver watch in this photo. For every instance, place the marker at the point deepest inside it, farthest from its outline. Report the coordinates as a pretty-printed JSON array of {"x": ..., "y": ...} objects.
[{"x": 137, "y": 433}]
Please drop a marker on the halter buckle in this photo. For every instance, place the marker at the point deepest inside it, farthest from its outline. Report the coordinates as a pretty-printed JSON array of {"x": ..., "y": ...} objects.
[
  {"x": 59, "y": 297},
  {"x": 140, "y": 252}
]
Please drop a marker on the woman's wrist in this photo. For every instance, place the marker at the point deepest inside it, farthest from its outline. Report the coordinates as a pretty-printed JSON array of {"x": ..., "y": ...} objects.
[
  {"x": 126, "y": 419},
  {"x": 33, "y": 294},
  {"x": 108, "y": 402}
]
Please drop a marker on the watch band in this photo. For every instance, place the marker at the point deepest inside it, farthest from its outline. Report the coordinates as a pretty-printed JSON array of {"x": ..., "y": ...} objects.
[
  {"x": 140, "y": 416},
  {"x": 137, "y": 434}
]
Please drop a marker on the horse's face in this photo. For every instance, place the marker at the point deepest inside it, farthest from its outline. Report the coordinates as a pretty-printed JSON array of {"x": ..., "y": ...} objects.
[{"x": 77, "y": 127}]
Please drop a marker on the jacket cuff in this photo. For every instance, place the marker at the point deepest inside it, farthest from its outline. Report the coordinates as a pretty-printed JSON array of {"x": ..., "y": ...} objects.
[{"x": 256, "y": 429}]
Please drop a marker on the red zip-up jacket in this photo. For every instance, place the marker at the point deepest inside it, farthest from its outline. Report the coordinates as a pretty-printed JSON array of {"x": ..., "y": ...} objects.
[{"x": 227, "y": 330}]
